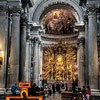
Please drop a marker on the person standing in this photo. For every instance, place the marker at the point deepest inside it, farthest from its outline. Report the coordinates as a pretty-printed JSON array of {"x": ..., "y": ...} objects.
[
  {"x": 88, "y": 93},
  {"x": 53, "y": 88},
  {"x": 84, "y": 92},
  {"x": 24, "y": 96},
  {"x": 14, "y": 89},
  {"x": 58, "y": 88}
]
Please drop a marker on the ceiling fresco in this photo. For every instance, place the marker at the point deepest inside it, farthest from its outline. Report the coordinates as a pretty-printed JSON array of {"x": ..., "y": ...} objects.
[{"x": 59, "y": 21}]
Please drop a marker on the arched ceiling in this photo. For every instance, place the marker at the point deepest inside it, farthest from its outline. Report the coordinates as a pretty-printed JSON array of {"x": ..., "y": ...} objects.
[{"x": 59, "y": 21}]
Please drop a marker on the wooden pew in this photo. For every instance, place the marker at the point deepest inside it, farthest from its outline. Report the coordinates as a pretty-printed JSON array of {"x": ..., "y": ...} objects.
[{"x": 71, "y": 96}]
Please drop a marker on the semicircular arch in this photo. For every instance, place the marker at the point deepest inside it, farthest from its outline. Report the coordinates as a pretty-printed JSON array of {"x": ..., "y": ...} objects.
[{"x": 47, "y": 5}]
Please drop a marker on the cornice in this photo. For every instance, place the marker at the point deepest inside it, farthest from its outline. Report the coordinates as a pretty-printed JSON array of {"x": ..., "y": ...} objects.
[
  {"x": 93, "y": 3},
  {"x": 65, "y": 43},
  {"x": 69, "y": 40},
  {"x": 51, "y": 36}
]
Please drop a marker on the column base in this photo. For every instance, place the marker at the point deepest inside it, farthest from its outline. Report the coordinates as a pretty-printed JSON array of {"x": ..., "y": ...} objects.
[
  {"x": 95, "y": 92},
  {"x": 2, "y": 93}
]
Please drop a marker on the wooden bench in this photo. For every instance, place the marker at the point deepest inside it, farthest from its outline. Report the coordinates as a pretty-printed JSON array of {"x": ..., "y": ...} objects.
[{"x": 71, "y": 96}]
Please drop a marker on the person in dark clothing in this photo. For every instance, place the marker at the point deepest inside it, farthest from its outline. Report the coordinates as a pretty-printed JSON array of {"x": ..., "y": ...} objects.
[
  {"x": 49, "y": 91},
  {"x": 14, "y": 88},
  {"x": 66, "y": 87},
  {"x": 73, "y": 86},
  {"x": 53, "y": 88},
  {"x": 33, "y": 89},
  {"x": 88, "y": 93},
  {"x": 58, "y": 87},
  {"x": 24, "y": 96},
  {"x": 84, "y": 91}
]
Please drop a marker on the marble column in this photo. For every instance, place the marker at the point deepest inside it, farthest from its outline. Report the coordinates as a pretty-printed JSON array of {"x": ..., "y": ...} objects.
[
  {"x": 27, "y": 67},
  {"x": 92, "y": 50},
  {"x": 36, "y": 62},
  {"x": 86, "y": 55},
  {"x": 14, "y": 55},
  {"x": 81, "y": 67},
  {"x": 23, "y": 49}
]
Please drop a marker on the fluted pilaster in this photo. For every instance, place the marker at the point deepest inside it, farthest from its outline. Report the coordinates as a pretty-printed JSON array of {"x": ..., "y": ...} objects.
[{"x": 36, "y": 60}]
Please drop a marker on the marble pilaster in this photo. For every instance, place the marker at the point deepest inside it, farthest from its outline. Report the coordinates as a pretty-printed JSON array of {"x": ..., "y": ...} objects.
[
  {"x": 81, "y": 67},
  {"x": 36, "y": 61},
  {"x": 15, "y": 47},
  {"x": 92, "y": 50}
]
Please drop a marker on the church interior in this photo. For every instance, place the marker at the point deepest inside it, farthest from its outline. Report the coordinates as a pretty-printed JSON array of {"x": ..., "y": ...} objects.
[{"x": 49, "y": 42}]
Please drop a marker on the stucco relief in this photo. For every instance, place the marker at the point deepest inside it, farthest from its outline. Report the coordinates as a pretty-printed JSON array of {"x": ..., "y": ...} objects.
[{"x": 59, "y": 63}]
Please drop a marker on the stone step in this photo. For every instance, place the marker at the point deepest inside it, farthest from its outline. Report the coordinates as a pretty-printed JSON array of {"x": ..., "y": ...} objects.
[{"x": 95, "y": 94}]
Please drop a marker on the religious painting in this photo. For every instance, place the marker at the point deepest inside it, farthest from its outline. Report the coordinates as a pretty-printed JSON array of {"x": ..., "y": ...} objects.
[{"x": 59, "y": 21}]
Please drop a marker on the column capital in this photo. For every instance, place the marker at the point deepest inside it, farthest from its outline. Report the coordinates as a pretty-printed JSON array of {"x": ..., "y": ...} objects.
[
  {"x": 10, "y": 5},
  {"x": 24, "y": 18},
  {"x": 35, "y": 39},
  {"x": 92, "y": 10},
  {"x": 3, "y": 7},
  {"x": 81, "y": 41},
  {"x": 80, "y": 26}
]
